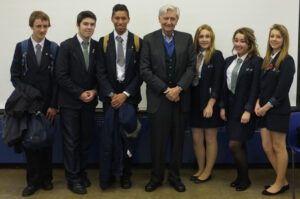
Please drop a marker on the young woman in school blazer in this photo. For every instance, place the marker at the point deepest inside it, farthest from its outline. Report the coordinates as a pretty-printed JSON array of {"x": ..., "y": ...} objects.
[
  {"x": 240, "y": 91},
  {"x": 273, "y": 105},
  {"x": 205, "y": 118}
]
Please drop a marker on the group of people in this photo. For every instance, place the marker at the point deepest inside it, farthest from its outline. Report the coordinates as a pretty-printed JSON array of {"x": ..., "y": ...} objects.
[{"x": 186, "y": 78}]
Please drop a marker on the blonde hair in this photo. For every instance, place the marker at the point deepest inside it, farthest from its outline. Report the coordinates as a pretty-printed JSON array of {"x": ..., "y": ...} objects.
[
  {"x": 250, "y": 40},
  {"x": 212, "y": 48},
  {"x": 284, "y": 49}
]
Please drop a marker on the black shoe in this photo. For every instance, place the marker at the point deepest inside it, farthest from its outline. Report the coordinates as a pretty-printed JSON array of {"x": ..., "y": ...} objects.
[
  {"x": 193, "y": 178},
  {"x": 151, "y": 186},
  {"x": 47, "y": 185},
  {"x": 29, "y": 190},
  {"x": 242, "y": 186},
  {"x": 287, "y": 187},
  {"x": 177, "y": 185},
  {"x": 125, "y": 182},
  {"x": 86, "y": 182},
  {"x": 235, "y": 183},
  {"x": 282, "y": 190},
  {"x": 77, "y": 188},
  {"x": 198, "y": 181}
]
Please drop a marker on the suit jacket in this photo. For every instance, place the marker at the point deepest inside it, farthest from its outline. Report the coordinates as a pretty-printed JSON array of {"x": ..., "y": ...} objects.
[
  {"x": 211, "y": 79},
  {"x": 275, "y": 85},
  {"x": 72, "y": 76},
  {"x": 107, "y": 71},
  {"x": 41, "y": 78},
  {"x": 247, "y": 85},
  {"x": 153, "y": 68}
]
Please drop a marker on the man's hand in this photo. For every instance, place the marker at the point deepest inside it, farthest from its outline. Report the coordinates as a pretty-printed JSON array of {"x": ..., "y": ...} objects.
[
  {"x": 88, "y": 95},
  {"x": 172, "y": 94},
  {"x": 51, "y": 113},
  {"x": 118, "y": 100}
]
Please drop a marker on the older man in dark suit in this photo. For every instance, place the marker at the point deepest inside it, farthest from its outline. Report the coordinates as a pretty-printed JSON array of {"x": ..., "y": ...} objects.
[
  {"x": 76, "y": 68},
  {"x": 167, "y": 67}
]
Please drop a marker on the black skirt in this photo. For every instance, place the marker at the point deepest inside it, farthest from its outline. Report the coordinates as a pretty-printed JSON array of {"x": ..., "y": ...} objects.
[
  {"x": 275, "y": 122},
  {"x": 198, "y": 104},
  {"x": 235, "y": 129}
]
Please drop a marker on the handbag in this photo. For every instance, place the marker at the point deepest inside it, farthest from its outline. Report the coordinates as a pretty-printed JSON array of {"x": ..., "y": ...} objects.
[{"x": 38, "y": 133}]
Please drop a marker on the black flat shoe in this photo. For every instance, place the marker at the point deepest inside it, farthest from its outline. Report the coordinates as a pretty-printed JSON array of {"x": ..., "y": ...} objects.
[
  {"x": 282, "y": 190},
  {"x": 287, "y": 187},
  {"x": 199, "y": 181},
  {"x": 193, "y": 178},
  {"x": 242, "y": 186}
]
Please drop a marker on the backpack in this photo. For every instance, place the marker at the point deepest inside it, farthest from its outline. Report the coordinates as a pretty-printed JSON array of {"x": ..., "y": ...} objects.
[
  {"x": 136, "y": 40},
  {"x": 24, "y": 49}
]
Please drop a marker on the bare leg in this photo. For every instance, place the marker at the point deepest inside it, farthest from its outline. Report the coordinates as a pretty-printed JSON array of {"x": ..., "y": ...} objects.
[
  {"x": 279, "y": 147},
  {"x": 211, "y": 151},
  {"x": 199, "y": 149}
]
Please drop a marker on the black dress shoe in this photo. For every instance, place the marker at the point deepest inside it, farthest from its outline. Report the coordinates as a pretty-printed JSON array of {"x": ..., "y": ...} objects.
[
  {"x": 86, "y": 182},
  {"x": 77, "y": 188},
  {"x": 29, "y": 190},
  {"x": 199, "y": 181},
  {"x": 282, "y": 190},
  {"x": 177, "y": 185},
  {"x": 242, "y": 186},
  {"x": 125, "y": 182},
  {"x": 47, "y": 185},
  {"x": 151, "y": 186},
  {"x": 193, "y": 178}
]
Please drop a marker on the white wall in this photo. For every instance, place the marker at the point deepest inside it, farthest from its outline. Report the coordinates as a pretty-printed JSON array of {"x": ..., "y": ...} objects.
[{"x": 224, "y": 16}]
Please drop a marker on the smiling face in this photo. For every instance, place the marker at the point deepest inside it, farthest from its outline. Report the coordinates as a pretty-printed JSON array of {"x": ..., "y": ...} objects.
[
  {"x": 168, "y": 22},
  {"x": 120, "y": 20},
  {"x": 86, "y": 28},
  {"x": 276, "y": 40},
  {"x": 39, "y": 29},
  {"x": 240, "y": 44},
  {"x": 204, "y": 39}
]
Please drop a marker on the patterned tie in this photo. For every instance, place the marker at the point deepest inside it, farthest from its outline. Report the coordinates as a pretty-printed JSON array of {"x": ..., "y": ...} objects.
[
  {"x": 85, "y": 51},
  {"x": 38, "y": 53},
  {"x": 234, "y": 74},
  {"x": 198, "y": 69},
  {"x": 120, "y": 52}
]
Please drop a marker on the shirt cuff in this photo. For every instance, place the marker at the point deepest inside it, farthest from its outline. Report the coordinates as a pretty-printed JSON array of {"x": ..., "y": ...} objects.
[{"x": 126, "y": 93}]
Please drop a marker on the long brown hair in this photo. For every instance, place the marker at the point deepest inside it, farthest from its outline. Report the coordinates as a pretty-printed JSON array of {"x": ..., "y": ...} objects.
[
  {"x": 250, "y": 40},
  {"x": 212, "y": 48},
  {"x": 284, "y": 49}
]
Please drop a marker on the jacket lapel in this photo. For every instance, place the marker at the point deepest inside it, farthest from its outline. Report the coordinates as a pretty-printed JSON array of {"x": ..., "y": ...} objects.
[
  {"x": 112, "y": 55},
  {"x": 159, "y": 43},
  {"x": 242, "y": 69},
  {"x": 31, "y": 53},
  {"x": 92, "y": 54},
  {"x": 78, "y": 51}
]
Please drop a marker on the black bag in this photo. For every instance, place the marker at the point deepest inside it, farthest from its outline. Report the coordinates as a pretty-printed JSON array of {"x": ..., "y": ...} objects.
[{"x": 38, "y": 134}]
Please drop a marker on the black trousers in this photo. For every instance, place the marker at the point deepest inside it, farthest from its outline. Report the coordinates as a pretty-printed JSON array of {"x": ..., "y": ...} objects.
[
  {"x": 39, "y": 165},
  {"x": 168, "y": 121},
  {"x": 77, "y": 127}
]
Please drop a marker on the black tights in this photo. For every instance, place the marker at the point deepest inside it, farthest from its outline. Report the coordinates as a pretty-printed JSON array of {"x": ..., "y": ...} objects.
[{"x": 239, "y": 152}]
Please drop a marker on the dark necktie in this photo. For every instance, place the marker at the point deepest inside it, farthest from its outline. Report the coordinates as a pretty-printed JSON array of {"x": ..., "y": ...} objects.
[
  {"x": 38, "y": 53},
  {"x": 120, "y": 52},
  {"x": 85, "y": 51},
  {"x": 234, "y": 74}
]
